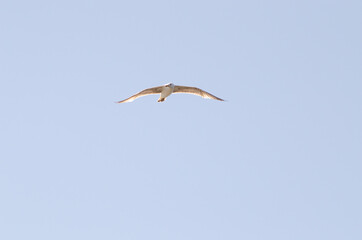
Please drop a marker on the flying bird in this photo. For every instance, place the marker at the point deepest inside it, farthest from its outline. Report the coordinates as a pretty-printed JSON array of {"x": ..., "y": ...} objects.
[{"x": 168, "y": 89}]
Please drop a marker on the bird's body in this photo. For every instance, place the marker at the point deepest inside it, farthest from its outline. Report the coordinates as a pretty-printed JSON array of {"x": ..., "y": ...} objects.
[{"x": 168, "y": 89}]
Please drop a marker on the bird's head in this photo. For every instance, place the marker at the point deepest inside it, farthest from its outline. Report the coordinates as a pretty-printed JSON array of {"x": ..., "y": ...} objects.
[{"x": 171, "y": 85}]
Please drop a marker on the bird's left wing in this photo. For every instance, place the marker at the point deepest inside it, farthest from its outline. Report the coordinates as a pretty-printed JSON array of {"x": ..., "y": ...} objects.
[
  {"x": 195, "y": 91},
  {"x": 148, "y": 91}
]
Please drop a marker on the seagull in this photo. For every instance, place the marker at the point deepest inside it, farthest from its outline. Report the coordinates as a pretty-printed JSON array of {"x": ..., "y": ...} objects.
[{"x": 168, "y": 89}]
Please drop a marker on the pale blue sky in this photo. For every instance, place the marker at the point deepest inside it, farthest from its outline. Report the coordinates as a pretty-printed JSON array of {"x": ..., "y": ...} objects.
[{"x": 281, "y": 159}]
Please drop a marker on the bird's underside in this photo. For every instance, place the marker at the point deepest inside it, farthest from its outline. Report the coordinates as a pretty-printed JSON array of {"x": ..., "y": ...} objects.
[{"x": 168, "y": 89}]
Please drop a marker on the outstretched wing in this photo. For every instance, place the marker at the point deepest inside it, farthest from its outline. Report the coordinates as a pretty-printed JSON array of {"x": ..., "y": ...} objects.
[
  {"x": 148, "y": 91},
  {"x": 195, "y": 91}
]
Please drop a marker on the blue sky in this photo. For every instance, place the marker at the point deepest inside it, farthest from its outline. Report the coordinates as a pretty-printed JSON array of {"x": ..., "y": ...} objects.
[{"x": 281, "y": 159}]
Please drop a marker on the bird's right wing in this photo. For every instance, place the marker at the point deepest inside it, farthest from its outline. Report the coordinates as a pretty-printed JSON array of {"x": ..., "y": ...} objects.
[{"x": 148, "y": 91}]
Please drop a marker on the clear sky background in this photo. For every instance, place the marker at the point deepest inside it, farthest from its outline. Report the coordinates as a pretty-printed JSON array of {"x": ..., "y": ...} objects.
[{"x": 281, "y": 159}]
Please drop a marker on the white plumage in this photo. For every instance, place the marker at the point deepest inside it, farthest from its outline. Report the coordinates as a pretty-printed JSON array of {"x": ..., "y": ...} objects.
[{"x": 168, "y": 89}]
